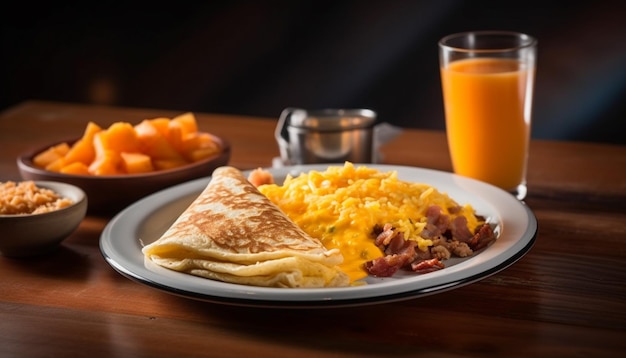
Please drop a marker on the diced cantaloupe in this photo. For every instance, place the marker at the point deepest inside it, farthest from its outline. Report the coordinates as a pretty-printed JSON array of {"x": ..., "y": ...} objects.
[
  {"x": 76, "y": 168},
  {"x": 165, "y": 164},
  {"x": 56, "y": 165},
  {"x": 153, "y": 144},
  {"x": 107, "y": 161},
  {"x": 83, "y": 150},
  {"x": 201, "y": 153},
  {"x": 187, "y": 121},
  {"x": 195, "y": 141},
  {"x": 134, "y": 163},
  {"x": 106, "y": 164},
  {"x": 161, "y": 124},
  {"x": 51, "y": 154},
  {"x": 91, "y": 129},
  {"x": 121, "y": 137},
  {"x": 175, "y": 136}
]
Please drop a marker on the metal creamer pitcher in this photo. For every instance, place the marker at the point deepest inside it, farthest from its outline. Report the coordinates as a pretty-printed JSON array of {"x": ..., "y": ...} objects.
[{"x": 325, "y": 136}]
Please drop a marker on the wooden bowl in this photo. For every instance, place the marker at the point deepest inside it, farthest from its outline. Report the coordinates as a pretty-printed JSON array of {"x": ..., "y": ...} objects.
[{"x": 109, "y": 194}]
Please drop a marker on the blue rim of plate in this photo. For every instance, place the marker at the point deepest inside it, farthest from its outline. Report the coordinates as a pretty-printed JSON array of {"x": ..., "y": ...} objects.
[{"x": 144, "y": 221}]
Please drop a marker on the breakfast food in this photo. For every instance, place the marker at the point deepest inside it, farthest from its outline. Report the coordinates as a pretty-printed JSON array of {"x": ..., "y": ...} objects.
[
  {"x": 25, "y": 198},
  {"x": 233, "y": 233},
  {"x": 379, "y": 223},
  {"x": 123, "y": 148}
]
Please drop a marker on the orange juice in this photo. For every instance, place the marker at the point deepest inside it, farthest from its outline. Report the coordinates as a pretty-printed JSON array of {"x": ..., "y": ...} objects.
[{"x": 487, "y": 106}]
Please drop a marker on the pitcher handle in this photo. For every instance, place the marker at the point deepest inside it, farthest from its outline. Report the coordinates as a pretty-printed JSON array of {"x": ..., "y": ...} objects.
[{"x": 282, "y": 134}]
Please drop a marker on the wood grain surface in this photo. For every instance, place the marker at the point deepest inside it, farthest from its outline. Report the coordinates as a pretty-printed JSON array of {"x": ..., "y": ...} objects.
[{"x": 565, "y": 298}]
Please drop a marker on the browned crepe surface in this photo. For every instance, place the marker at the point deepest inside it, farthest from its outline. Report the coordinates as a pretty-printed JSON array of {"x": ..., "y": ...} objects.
[{"x": 233, "y": 233}]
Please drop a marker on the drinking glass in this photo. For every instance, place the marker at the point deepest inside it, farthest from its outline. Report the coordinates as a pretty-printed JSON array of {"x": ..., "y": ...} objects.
[{"x": 487, "y": 81}]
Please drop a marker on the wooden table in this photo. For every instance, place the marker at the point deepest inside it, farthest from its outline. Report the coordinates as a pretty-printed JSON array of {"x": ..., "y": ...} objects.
[{"x": 566, "y": 297}]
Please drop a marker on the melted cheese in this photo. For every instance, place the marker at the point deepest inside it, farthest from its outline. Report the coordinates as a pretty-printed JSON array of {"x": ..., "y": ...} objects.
[{"x": 342, "y": 205}]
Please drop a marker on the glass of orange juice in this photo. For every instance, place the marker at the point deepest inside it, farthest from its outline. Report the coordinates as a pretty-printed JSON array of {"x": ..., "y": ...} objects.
[{"x": 487, "y": 80}]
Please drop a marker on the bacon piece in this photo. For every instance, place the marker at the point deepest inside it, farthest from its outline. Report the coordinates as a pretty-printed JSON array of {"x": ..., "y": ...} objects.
[
  {"x": 399, "y": 253},
  {"x": 398, "y": 245},
  {"x": 384, "y": 237},
  {"x": 448, "y": 236},
  {"x": 482, "y": 238},
  {"x": 426, "y": 266},
  {"x": 385, "y": 266}
]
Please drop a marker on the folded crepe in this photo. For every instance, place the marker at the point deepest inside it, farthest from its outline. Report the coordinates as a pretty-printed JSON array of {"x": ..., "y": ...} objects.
[{"x": 233, "y": 233}]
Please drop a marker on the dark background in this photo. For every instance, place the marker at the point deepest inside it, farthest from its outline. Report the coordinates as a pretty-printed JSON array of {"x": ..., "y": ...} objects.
[{"x": 258, "y": 57}]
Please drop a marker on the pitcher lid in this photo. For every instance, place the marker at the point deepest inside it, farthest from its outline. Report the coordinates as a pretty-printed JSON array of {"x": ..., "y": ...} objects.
[{"x": 332, "y": 119}]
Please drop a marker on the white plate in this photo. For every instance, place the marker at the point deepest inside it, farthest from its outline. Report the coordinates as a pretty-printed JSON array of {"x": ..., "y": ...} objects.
[{"x": 144, "y": 221}]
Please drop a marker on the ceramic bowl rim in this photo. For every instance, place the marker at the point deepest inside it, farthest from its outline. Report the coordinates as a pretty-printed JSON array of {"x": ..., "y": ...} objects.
[{"x": 61, "y": 189}]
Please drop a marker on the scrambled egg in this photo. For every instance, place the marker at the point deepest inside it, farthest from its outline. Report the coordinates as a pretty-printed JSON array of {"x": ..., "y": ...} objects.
[{"x": 342, "y": 205}]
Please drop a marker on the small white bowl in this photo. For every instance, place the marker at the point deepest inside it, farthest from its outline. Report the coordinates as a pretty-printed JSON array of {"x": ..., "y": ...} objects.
[{"x": 37, "y": 234}]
